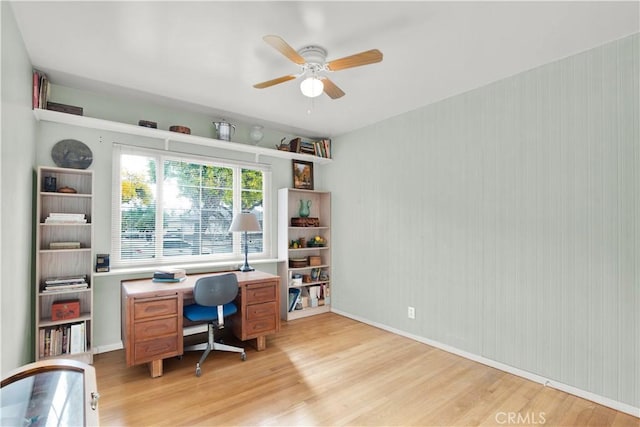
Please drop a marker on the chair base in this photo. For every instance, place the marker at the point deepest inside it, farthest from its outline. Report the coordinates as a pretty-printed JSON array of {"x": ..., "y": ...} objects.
[{"x": 211, "y": 344}]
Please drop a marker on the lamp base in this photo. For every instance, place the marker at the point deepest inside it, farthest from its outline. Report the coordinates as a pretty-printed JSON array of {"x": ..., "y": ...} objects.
[{"x": 246, "y": 267}]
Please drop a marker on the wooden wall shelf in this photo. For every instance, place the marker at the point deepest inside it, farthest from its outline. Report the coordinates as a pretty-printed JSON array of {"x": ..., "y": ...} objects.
[{"x": 168, "y": 136}]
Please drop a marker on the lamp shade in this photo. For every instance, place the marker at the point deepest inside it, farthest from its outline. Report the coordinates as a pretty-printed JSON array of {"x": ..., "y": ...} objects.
[
  {"x": 245, "y": 221},
  {"x": 312, "y": 87}
]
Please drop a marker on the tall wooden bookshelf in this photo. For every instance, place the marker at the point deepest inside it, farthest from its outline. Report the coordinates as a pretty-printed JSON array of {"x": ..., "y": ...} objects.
[
  {"x": 64, "y": 255},
  {"x": 296, "y": 242}
]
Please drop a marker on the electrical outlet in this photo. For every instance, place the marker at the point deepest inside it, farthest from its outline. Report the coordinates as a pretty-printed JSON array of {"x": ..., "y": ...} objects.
[{"x": 411, "y": 312}]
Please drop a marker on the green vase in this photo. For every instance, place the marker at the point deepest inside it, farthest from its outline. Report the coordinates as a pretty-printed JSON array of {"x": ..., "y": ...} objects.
[{"x": 305, "y": 205}]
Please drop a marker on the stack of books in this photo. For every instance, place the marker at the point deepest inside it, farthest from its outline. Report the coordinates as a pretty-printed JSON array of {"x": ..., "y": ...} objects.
[
  {"x": 307, "y": 147},
  {"x": 64, "y": 245},
  {"x": 323, "y": 148},
  {"x": 40, "y": 89},
  {"x": 69, "y": 283},
  {"x": 67, "y": 339},
  {"x": 65, "y": 218},
  {"x": 319, "y": 148},
  {"x": 172, "y": 275}
]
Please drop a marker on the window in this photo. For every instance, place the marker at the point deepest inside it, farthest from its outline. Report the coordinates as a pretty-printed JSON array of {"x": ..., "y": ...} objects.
[{"x": 178, "y": 207}]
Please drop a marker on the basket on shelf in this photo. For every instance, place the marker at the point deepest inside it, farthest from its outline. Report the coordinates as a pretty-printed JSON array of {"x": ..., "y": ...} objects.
[
  {"x": 305, "y": 222},
  {"x": 298, "y": 262}
]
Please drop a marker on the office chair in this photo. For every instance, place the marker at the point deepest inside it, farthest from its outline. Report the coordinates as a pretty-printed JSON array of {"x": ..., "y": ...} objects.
[{"x": 213, "y": 297}]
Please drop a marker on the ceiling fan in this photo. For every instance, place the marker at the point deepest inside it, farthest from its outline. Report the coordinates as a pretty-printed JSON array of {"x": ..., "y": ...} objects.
[{"x": 313, "y": 63}]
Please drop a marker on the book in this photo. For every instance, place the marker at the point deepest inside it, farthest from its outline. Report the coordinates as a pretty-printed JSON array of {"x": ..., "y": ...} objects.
[
  {"x": 73, "y": 218},
  {"x": 64, "y": 221},
  {"x": 66, "y": 215},
  {"x": 294, "y": 297},
  {"x": 81, "y": 278},
  {"x": 64, "y": 245},
  {"x": 77, "y": 338},
  {"x": 65, "y": 218},
  {"x": 61, "y": 286},
  {"x": 294, "y": 145},
  {"x": 64, "y": 288},
  {"x": 36, "y": 89},
  {"x": 176, "y": 273},
  {"x": 44, "y": 91},
  {"x": 314, "y": 292},
  {"x": 178, "y": 279},
  {"x": 47, "y": 343},
  {"x": 67, "y": 348},
  {"x": 41, "y": 334}
]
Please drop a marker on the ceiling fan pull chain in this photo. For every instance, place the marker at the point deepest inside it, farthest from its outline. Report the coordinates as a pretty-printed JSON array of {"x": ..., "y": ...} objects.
[{"x": 311, "y": 105}]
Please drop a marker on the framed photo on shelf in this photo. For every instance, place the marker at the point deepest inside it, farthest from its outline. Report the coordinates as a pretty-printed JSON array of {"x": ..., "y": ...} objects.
[{"x": 302, "y": 174}]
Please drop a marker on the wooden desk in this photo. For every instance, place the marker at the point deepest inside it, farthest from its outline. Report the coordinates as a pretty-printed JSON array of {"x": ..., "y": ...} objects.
[{"x": 152, "y": 318}]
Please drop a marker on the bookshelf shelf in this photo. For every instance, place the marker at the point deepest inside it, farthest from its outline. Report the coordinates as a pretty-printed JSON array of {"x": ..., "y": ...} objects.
[
  {"x": 63, "y": 195},
  {"x": 298, "y": 269},
  {"x": 59, "y": 293},
  {"x": 308, "y": 228},
  {"x": 167, "y": 136},
  {"x": 291, "y": 285},
  {"x": 88, "y": 224},
  {"x": 67, "y": 264},
  {"x": 44, "y": 251},
  {"x": 289, "y": 200},
  {"x": 85, "y": 317}
]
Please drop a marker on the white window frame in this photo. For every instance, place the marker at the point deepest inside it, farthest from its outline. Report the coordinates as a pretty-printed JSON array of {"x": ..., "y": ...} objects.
[{"x": 237, "y": 254}]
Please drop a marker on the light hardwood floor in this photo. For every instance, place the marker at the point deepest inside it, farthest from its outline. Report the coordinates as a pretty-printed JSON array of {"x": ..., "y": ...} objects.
[{"x": 329, "y": 370}]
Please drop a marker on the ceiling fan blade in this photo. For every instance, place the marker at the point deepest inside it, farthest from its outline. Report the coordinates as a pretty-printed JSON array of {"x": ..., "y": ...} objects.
[
  {"x": 331, "y": 89},
  {"x": 283, "y": 47},
  {"x": 363, "y": 58},
  {"x": 274, "y": 82}
]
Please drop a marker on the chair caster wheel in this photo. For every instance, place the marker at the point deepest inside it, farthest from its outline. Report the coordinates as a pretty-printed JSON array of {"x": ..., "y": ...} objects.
[{"x": 243, "y": 356}]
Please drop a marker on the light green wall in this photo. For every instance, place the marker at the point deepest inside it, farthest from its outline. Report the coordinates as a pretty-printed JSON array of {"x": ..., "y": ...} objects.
[
  {"x": 508, "y": 217},
  {"x": 16, "y": 193}
]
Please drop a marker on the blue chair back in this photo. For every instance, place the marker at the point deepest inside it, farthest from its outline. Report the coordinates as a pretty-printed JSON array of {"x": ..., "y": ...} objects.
[{"x": 215, "y": 290}]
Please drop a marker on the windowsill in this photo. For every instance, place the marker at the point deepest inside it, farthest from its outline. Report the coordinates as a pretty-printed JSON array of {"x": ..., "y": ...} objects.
[{"x": 124, "y": 271}]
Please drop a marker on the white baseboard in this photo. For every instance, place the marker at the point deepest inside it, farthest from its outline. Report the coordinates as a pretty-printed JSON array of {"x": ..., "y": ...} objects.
[
  {"x": 605, "y": 401},
  {"x": 108, "y": 347}
]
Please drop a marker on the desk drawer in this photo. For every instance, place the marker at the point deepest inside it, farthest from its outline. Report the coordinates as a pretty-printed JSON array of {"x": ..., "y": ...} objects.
[
  {"x": 159, "y": 348},
  {"x": 156, "y": 328},
  {"x": 156, "y": 307},
  {"x": 258, "y": 311},
  {"x": 260, "y": 326},
  {"x": 261, "y": 293}
]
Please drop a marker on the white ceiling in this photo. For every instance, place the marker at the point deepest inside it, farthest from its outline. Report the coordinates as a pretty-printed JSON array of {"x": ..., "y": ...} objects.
[{"x": 206, "y": 56}]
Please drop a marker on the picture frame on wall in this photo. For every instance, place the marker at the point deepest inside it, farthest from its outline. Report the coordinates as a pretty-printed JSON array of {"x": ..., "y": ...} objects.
[{"x": 302, "y": 174}]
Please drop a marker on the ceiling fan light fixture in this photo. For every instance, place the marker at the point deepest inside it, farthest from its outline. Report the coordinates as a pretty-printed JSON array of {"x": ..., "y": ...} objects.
[{"x": 312, "y": 87}]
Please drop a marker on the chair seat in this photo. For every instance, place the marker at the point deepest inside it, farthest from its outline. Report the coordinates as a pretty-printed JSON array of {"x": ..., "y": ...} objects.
[{"x": 199, "y": 313}]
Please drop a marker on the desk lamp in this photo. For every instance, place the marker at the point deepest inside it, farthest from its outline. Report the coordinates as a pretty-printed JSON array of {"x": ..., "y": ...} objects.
[{"x": 245, "y": 221}]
